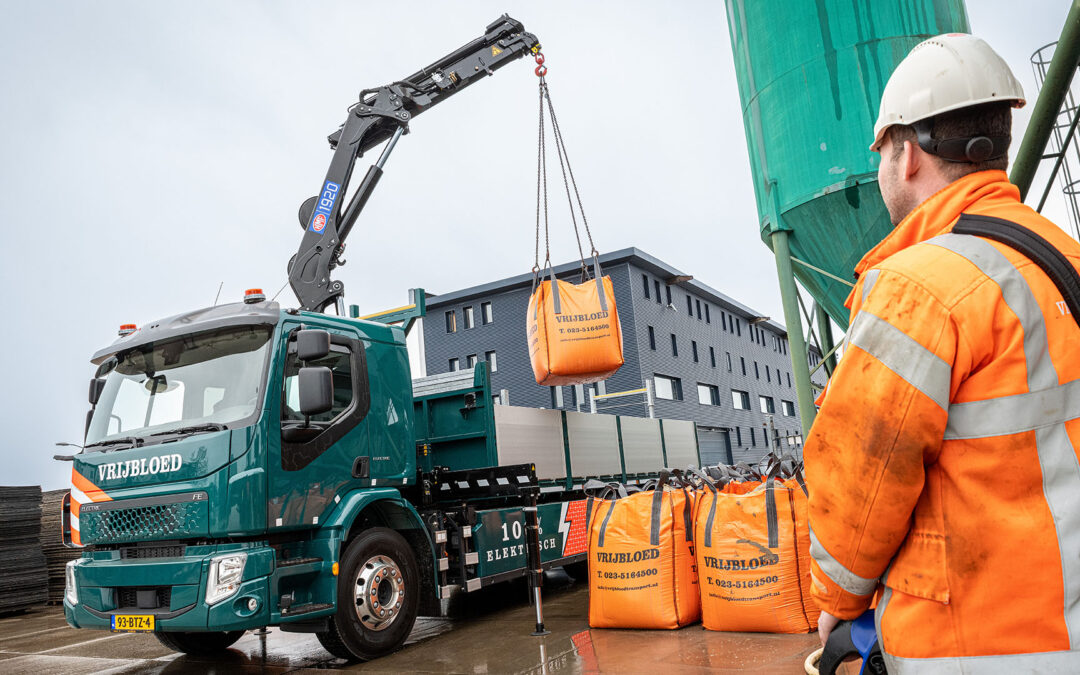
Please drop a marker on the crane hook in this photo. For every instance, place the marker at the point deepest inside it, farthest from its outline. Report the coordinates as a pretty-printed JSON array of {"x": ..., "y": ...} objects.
[{"x": 541, "y": 69}]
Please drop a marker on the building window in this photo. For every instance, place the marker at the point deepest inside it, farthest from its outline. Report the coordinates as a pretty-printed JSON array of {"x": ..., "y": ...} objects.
[
  {"x": 668, "y": 388},
  {"x": 693, "y": 350},
  {"x": 485, "y": 313},
  {"x": 656, "y": 287},
  {"x": 667, "y": 290},
  {"x": 708, "y": 394},
  {"x": 707, "y": 319},
  {"x": 674, "y": 346},
  {"x": 789, "y": 408},
  {"x": 768, "y": 378},
  {"x": 451, "y": 322},
  {"x": 454, "y": 365},
  {"x": 767, "y": 405},
  {"x": 690, "y": 306},
  {"x": 728, "y": 355},
  {"x": 467, "y": 313},
  {"x": 645, "y": 283},
  {"x": 789, "y": 380},
  {"x": 493, "y": 365},
  {"x": 470, "y": 361},
  {"x": 652, "y": 339},
  {"x": 757, "y": 373},
  {"x": 742, "y": 363},
  {"x": 738, "y": 327},
  {"x": 712, "y": 357},
  {"x": 738, "y": 437},
  {"x": 753, "y": 437},
  {"x": 723, "y": 320},
  {"x": 698, "y": 303},
  {"x": 740, "y": 400}
]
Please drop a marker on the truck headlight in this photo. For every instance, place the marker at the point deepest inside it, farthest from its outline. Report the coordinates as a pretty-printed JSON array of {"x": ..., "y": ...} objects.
[
  {"x": 70, "y": 592},
  {"x": 224, "y": 576}
]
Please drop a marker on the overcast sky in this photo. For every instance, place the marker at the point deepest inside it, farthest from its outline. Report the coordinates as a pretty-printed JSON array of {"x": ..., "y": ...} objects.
[{"x": 151, "y": 151}]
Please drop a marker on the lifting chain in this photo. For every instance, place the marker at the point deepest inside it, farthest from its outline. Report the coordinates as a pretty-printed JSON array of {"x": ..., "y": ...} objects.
[{"x": 569, "y": 182}]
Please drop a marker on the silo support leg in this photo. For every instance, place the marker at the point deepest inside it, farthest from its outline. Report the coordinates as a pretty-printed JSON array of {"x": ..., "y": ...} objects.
[
  {"x": 825, "y": 338},
  {"x": 800, "y": 363}
]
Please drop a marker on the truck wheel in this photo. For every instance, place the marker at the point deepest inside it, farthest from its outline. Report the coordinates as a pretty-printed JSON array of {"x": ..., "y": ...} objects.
[
  {"x": 377, "y": 599},
  {"x": 199, "y": 644}
]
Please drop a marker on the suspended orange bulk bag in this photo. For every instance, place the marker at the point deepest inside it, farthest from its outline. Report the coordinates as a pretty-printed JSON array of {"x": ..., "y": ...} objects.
[
  {"x": 753, "y": 557},
  {"x": 573, "y": 331},
  {"x": 641, "y": 561}
]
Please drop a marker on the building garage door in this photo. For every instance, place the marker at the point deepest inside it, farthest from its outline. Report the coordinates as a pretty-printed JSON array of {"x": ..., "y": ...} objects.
[{"x": 715, "y": 446}]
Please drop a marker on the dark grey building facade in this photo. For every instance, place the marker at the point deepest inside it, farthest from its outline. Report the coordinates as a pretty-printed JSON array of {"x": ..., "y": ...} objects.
[{"x": 709, "y": 358}]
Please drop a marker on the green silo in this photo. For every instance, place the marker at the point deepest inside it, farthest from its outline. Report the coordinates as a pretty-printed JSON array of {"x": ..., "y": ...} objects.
[{"x": 810, "y": 76}]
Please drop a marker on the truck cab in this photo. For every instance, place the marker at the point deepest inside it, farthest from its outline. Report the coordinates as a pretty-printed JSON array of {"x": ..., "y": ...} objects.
[{"x": 212, "y": 501}]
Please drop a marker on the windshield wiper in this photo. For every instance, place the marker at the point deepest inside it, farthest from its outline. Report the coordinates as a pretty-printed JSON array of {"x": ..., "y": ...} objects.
[
  {"x": 193, "y": 429},
  {"x": 131, "y": 440}
]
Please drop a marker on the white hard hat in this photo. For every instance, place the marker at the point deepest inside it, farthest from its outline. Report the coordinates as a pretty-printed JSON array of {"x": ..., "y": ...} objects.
[{"x": 944, "y": 73}]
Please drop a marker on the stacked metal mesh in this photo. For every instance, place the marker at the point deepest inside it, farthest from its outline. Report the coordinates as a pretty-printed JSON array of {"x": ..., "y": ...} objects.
[
  {"x": 23, "y": 578},
  {"x": 56, "y": 554}
]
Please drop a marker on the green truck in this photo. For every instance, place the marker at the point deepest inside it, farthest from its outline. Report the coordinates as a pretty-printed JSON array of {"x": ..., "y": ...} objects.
[{"x": 247, "y": 465}]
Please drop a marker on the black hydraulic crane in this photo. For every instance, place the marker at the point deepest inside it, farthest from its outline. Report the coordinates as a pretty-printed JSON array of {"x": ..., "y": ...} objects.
[{"x": 382, "y": 115}]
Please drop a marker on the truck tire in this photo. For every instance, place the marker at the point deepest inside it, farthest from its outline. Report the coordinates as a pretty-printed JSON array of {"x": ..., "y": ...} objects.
[
  {"x": 377, "y": 598},
  {"x": 199, "y": 644}
]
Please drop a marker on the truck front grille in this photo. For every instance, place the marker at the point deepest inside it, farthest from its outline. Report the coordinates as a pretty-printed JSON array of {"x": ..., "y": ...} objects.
[
  {"x": 144, "y": 552},
  {"x": 113, "y": 523}
]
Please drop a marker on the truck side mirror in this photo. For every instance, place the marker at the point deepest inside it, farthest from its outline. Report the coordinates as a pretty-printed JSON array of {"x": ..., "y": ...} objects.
[
  {"x": 97, "y": 385},
  {"x": 316, "y": 389},
  {"x": 312, "y": 344}
]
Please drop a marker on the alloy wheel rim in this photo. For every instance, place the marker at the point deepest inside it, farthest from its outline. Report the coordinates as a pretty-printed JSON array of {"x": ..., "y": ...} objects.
[{"x": 379, "y": 591}]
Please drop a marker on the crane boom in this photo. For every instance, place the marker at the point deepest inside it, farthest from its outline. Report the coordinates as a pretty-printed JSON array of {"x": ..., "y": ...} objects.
[{"x": 382, "y": 115}]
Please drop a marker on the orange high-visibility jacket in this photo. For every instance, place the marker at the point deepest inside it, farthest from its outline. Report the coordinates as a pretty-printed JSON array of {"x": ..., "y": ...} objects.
[{"x": 944, "y": 458}]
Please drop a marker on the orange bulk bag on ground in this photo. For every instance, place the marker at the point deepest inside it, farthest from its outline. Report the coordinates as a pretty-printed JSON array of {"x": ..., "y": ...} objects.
[
  {"x": 573, "y": 331},
  {"x": 753, "y": 557},
  {"x": 641, "y": 560}
]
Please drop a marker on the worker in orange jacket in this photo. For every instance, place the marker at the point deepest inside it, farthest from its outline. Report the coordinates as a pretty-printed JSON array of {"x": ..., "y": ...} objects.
[{"x": 942, "y": 466}]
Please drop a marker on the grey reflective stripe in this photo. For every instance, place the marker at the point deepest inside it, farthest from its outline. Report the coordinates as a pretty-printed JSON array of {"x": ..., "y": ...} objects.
[
  {"x": 1061, "y": 485},
  {"x": 886, "y": 595},
  {"x": 1004, "y": 664},
  {"x": 917, "y": 365},
  {"x": 1014, "y": 414},
  {"x": 1017, "y": 295},
  {"x": 840, "y": 575},
  {"x": 868, "y": 282}
]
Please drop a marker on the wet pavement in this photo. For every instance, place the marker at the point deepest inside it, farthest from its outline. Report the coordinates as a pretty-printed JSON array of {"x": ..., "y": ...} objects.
[{"x": 489, "y": 633}]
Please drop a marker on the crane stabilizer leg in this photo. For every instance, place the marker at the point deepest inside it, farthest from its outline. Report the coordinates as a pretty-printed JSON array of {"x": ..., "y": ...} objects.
[{"x": 383, "y": 115}]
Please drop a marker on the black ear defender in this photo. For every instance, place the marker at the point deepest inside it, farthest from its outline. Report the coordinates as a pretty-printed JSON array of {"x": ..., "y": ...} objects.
[{"x": 972, "y": 149}]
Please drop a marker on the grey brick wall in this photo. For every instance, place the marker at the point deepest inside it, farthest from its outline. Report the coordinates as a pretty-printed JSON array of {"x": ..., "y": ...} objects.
[{"x": 727, "y": 331}]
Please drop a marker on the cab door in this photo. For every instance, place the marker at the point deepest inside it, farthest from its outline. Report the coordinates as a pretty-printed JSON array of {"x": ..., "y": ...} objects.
[{"x": 312, "y": 459}]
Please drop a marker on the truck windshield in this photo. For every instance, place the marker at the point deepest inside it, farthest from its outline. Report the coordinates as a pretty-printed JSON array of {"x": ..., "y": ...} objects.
[{"x": 207, "y": 380}]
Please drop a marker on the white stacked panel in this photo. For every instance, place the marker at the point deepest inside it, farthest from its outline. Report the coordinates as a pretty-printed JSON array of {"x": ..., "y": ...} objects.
[
  {"x": 641, "y": 444},
  {"x": 680, "y": 439},
  {"x": 594, "y": 444},
  {"x": 531, "y": 435}
]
